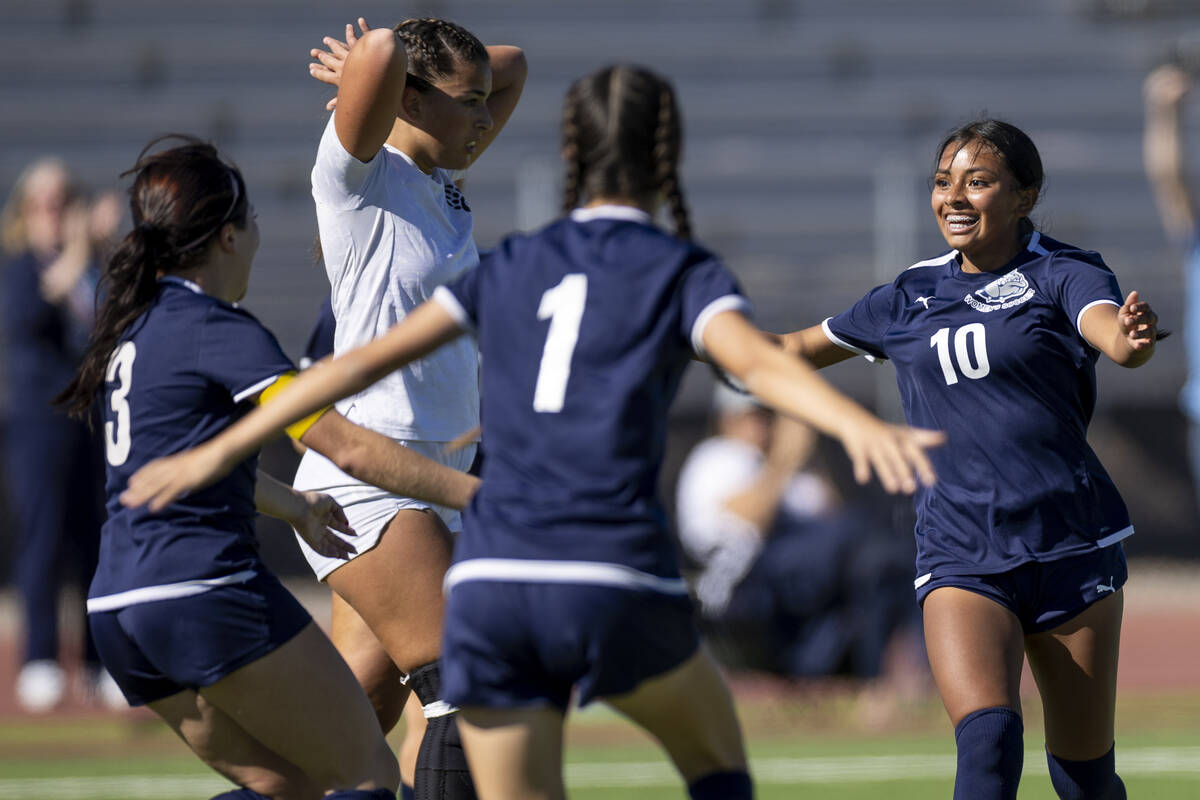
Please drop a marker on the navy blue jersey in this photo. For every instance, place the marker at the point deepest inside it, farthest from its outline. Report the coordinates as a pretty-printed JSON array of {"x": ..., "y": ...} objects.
[
  {"x": 997, "y": 361},
  {"x": 182, "y": 373},
  {"x": 585, "y": 329}
]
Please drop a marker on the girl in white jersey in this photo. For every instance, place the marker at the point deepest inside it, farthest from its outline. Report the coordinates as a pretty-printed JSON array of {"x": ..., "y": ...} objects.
[{"x": 415, "y": 106}]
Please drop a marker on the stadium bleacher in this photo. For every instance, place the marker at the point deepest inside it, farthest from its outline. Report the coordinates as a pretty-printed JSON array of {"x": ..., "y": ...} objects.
[{"x": 793, "y": 109}]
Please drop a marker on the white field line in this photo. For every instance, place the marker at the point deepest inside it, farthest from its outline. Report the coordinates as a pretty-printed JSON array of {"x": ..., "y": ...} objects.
[{"x": 780, "y": 771}]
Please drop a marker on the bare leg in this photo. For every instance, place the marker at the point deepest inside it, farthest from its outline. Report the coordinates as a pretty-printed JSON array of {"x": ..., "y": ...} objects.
[
  {"x": 689, "y": 710},
  {"x": 396, "y": 587},
  {"x": 376, "y": 672},
  {"x": 301, "y": 705},
  {"x": 976, "y": 649},
  {"x": 515, "y": 754},
  {"x": 226, "y": 747},
  {"x": 1075, "y": 666}
]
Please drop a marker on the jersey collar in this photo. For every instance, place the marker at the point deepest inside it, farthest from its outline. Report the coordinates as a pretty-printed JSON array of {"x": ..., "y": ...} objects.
[
  {"x": 627, "y": 213},
  {"x": 184, "y": 282}
]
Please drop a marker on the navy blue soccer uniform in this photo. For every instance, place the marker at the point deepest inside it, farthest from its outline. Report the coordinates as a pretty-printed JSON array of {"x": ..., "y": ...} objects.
[
  {"x": 997, "y": 361},
  {"x": 565, "y": 573},
  {"x": 183, "y": 372}
]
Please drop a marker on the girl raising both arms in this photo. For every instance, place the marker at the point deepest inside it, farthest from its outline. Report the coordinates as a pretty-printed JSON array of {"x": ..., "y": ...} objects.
[{"x": 416, "y": 105}]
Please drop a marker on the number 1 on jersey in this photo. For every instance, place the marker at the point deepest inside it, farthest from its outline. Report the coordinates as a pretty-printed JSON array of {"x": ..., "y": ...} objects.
[{"x": 563, "y": 306}]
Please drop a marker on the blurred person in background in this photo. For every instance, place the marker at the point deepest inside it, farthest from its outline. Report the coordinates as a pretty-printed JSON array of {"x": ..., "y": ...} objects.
[
  {"x": 1019, "y": 552},
  {"x": 52, "y": 238},
  {"x": 781, "y": 561},
  {"x": 1165, "y": 90}
]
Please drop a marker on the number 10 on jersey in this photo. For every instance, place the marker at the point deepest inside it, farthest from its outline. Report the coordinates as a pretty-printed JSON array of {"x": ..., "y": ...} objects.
[{"x": 967, "y": 338}]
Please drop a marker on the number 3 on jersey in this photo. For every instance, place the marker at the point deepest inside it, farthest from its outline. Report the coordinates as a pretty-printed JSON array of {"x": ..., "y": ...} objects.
[
  {"x": 116, "y": 434},
  {"x": 978, "y": 342},
  {"x": 563, "y": 306}
]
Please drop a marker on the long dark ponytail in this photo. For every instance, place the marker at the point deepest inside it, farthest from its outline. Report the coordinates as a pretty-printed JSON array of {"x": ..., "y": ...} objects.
[
  {"x": 180, "y": 199},
  {"x": 623, "y": 137}
]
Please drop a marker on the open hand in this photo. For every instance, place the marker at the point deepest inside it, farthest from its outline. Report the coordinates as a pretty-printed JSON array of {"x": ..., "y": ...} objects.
[
  {"x": 164, "y": 480},
  {"x": 894, "y": 453},
  {"x": 322, "y": 517},
  {"x": 1138, "y": 322},
  {"x": 328, "y": 64}
]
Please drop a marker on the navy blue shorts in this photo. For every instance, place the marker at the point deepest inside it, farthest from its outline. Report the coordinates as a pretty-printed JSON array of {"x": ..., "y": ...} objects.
[
  {"x": 1046, "y": 594},
  {"x": 512, "y": 644},
  {"x": 156, "y": 649}
]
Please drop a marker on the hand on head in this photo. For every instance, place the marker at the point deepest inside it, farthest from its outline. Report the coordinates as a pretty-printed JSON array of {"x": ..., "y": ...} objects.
[{"x": 328, "y": 64}]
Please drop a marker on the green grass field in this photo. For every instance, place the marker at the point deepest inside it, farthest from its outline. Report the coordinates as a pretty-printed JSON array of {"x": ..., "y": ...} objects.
[{"x": 801, "y": 746}]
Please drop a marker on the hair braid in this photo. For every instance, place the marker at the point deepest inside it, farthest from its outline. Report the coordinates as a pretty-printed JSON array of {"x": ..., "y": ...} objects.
[
  {"x": 622, "y": 138},
  {"x": 667, "y": 144},
  {"x": 436, "y": 48},
  {"x": 572, "y": 152}
]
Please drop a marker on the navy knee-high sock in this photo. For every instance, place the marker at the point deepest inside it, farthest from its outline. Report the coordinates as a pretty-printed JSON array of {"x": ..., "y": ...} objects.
[
  {"x": 241, "y": 794},
  {"x": 990, "y": 754},
  {"x": 732, "y": 785},
  {"x": 1096, "y": 779},
  {"x": 442, "y": 772}
]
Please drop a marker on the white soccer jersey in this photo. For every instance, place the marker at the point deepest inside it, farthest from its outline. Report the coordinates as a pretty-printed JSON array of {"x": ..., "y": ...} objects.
[{"x": 390, "y": 235}]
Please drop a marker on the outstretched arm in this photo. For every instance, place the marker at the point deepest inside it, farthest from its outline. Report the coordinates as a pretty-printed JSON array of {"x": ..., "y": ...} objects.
[
  {"x": 1126, "y": 334},
  {"x": 814, "y": 347},
  {"x": 896, "y": 454},
  {"x": 428, "y": 327},
  {"x": 374, "y": 458}
]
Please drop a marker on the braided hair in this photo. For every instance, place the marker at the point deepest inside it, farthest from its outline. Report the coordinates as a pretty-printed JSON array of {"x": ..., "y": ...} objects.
[
  {"x": 180, "y": 199},
  {"x": 623, "y": 137},
  {"x": 435, "y": 49}
]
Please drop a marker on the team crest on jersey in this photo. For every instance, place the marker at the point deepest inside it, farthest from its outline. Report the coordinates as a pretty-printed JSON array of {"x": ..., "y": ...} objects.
[
  {"x": 1010, "y": 290},
  {"x": 455, "y": 198}
]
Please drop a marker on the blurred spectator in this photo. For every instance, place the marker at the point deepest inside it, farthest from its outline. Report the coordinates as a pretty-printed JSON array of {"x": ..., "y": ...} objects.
[
  {"x": 788, "y": 580},
  {"x": 54, "y": 471},
  {"x": 1165, "y": 90}
]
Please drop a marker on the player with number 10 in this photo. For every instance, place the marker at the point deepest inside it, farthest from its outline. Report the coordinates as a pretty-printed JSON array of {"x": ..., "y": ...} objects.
[{"x": 1019, "y": 543}]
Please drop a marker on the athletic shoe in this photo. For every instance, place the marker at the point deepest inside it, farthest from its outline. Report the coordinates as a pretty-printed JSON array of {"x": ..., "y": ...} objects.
[{"x": 40, "y": 686}]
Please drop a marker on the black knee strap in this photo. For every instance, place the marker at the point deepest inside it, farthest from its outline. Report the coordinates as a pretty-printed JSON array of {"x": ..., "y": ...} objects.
[{"x": 442, "y": 772}]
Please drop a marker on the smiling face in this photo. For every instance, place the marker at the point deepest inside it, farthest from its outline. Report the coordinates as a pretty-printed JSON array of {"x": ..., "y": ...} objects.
[
  {"x": 448, "y": 120},
  {"x": 979, "y": 205}
]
